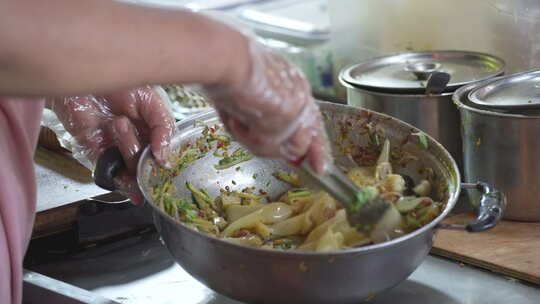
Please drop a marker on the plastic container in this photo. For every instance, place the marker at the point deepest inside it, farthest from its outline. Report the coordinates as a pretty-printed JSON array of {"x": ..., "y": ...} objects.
[{"x": 299, "y": 30}]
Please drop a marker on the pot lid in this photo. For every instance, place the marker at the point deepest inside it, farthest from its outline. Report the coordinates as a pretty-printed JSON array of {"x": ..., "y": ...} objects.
[
  {"x": 514, "y": 91},
  {"x": 409, "y": 72}
]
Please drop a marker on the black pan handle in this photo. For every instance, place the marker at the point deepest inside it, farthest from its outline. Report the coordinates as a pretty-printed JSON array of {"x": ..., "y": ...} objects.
[
  {"x": 490, "y": 209},
  {"x": 108, "y": 165}
]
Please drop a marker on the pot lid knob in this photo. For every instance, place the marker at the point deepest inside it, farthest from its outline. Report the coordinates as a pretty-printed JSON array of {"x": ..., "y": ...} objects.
[{"x": 422, "y": 70}]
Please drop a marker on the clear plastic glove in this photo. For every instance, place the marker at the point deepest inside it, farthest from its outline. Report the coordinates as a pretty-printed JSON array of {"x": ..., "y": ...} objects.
[
  {"x": 128, "y": 119},
  {"x": 271, "y": 110}
]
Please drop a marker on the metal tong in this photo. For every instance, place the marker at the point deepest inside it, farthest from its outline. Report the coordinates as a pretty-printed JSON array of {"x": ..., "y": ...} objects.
[{"x": 374, "y": 217}]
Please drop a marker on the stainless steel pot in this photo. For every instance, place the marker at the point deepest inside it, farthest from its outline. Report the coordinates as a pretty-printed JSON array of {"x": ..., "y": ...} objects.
[
  {"x": 435, "y": 115},
  {"x": 501, "y": 147},
  {"x": 396, "y": 85},
  {"x": 263, "y": 276}
]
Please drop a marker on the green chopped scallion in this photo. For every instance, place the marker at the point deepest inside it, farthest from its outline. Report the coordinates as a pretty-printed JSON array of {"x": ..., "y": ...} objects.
[
  {"x": 362, "y": 197},
  {"x": 423, "y": 139},
  {"x": 238, "y": 156},
  {"x": 298, "y": 193}
]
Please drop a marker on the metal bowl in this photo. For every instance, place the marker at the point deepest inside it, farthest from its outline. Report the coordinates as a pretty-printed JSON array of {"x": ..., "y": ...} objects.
[{"x": 265, "y": 276}]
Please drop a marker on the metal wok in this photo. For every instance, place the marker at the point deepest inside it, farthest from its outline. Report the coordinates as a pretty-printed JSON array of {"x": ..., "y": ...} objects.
[{"x": 263, "y": 276}]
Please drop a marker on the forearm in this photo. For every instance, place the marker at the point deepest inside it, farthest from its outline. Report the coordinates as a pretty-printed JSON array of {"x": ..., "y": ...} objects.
[{"x": 64, "y": 47}]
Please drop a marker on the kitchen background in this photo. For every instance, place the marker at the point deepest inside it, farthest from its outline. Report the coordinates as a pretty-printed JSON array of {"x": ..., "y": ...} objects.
[{"x": 112, "y": 250}]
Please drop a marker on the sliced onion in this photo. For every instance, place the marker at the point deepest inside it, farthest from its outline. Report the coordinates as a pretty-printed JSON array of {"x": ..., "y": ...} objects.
[
  {"x": 423, "y": 188},
  {"x": 276, "y": 212},
  {"x": 386, "y": 227},
  {"x": 407, "y": 204},
  {"x": 384, "y": 157},
  {"x": 383, "y": 170}
]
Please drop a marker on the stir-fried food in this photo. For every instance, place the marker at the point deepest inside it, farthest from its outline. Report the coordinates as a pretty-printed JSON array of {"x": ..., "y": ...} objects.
[{"x": 300, "y": 219}]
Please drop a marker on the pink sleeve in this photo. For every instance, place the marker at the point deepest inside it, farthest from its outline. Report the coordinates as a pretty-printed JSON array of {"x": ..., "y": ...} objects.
[{"x": 19, "y": 129}]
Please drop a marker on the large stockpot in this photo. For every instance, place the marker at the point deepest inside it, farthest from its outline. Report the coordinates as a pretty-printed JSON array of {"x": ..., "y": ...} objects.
[
  {"x": 396, "y": 85},
  {"x": 265, "y": 276},
  {"x": 500, "y": 146}
]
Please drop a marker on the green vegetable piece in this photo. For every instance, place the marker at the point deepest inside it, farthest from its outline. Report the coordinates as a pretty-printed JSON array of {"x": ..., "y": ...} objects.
[
  {"x": 412, "y": 222},
  {"x": 191, "y": 214},
  {"x": 284, "y": 244},
  {"x": 186, "y": 207},
  {"x": 201, "y": 196},
  {"x": 326, "y": 116},
  {"x": 248, "y": 196},
  {"x": 298, "y": 193},
  {"x": 205, "y": 193},
  {"x": 174, "y": 206},
  {"x": 423, "y": 139},
  {"x": 225, "y": 160},
  {"x": 374, "y": 138},
  {"x": 239, "y": 155},
  {"x": 289, "y": 178},
  {"x": 187, "y": 158},
  {"x": 362, "y": 197},
  {"x": 239, "y": 152},
  {"x": 222, "y": 138}
]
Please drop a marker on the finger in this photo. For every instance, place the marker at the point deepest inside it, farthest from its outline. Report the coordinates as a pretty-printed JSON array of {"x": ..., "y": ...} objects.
[
  {"x": 160, "y": 139},
  {"x": 83, "y": 117},
  {"x": 304, "y": 127},
  {"x": 233, "y": 126},
  {"x": 319, "y": 151},
  {"x": 92, "y": 143},
  {"x": 258, "y": 143},
  {"x": 79, "y": 112},
  {"x": 144, "y": 105},
  {"x": 298, "y": 145},
  {"x": 124, "y": 103},
  {"x": 240, "y": 132},
  {"x": 127, "y": 142},
  {"x": 159, "y": 121},
  {"x": 317, "y": 154}
]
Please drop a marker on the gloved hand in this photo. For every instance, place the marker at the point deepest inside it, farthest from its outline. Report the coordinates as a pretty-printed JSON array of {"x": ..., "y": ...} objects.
[
  {"x": 270, "y": 109},
  {"x": 128, "y": 119}
]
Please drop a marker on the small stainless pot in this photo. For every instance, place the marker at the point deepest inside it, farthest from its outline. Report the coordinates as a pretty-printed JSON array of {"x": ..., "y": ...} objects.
[
  {"x": 502, "y": 148},
  {"x": 396, "y": 85}
]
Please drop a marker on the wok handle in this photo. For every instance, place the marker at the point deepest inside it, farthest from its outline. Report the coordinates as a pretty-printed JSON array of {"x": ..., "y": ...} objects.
[
  {"x": 108, "y": 165},
  {"x": 490, "y": 210}
]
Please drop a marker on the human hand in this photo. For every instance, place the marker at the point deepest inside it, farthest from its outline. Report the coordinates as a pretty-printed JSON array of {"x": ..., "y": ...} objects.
[
  {"x": 269, "y": 109},
  {"x": 129, "y": 119}
]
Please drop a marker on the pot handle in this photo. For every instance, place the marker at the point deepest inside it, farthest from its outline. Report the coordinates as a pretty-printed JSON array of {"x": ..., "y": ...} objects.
[
  {"x": 490, "y": 210},
  {"x": 108, "y": 165}
]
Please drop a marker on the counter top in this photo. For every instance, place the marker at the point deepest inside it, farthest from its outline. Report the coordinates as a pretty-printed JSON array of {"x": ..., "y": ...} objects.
[
  {"x": 140, "y": 270},
  {"x": 61, "y": 180}
]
